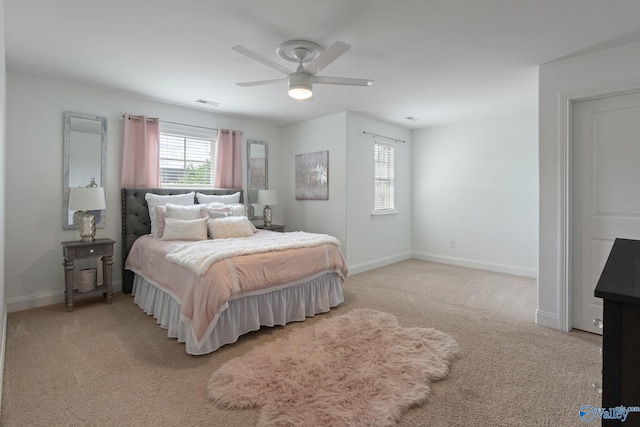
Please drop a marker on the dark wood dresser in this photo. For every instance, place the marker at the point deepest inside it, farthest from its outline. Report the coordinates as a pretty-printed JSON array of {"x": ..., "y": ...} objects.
[{"x": 619, "y": 287}]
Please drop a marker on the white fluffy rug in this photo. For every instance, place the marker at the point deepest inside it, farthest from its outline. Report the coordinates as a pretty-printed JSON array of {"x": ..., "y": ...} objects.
[{"x": 357, "y": 369}]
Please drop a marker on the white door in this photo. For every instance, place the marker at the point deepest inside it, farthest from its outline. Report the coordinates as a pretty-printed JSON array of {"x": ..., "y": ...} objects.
[{"x": 605, "y": 193}]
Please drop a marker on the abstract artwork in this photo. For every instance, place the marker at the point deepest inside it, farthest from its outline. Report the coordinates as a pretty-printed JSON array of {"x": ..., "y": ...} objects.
[{"x": 312, "y": 176}]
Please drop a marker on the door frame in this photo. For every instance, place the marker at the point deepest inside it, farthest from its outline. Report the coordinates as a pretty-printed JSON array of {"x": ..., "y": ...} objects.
[{"x": 566, "y": 101}]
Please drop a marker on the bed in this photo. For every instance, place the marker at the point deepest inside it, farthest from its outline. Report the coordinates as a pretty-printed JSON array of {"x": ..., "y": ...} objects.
[{"x": 209, "y": 301}]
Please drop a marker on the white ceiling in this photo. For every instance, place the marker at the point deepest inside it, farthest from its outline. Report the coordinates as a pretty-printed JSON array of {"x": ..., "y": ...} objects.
[{"x": 442, "y": 61}]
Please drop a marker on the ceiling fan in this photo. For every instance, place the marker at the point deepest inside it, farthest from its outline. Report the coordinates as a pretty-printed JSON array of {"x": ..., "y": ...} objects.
[{"x": 311, "y": 59}]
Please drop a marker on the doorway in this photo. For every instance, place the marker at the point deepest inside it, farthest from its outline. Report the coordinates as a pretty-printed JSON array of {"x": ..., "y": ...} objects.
[{"x": 605, "y": 193}]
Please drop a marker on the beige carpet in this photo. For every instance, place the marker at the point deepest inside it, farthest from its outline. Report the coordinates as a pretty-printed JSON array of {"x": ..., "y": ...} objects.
[{"x": 111, "y": 365}]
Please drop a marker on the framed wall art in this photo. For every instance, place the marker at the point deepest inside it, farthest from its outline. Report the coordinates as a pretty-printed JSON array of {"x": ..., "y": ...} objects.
[{"x": 312, "y": 176}]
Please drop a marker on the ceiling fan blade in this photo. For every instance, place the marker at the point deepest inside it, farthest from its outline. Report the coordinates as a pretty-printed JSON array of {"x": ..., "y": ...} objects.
[
  {"x": 332, "y": 53},
  {"x": 257, "y": 57},
  {"x": 342, "y": 81},
  {"x": 262, "y": 82}
]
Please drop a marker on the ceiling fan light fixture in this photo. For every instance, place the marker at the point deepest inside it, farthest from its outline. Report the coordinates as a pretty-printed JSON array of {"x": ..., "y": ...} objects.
[
  {"x": 301, "y": 81},
  {"x": 300, "y": 86},
  {"x": 301, "y": 93}
]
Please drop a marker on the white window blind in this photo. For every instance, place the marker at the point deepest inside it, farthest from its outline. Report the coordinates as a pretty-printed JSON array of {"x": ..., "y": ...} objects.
[
  {"x": 384, "y": 178},
  {"x": 187, "y": 155}
]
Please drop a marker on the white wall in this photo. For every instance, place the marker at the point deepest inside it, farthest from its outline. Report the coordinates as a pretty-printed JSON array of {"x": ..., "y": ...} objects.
[
  {"x": 477, "y": 184},
  {"x": 599, "y": 73},
  {"x": 3, "y": 176},
  {"x": 35, "y": 108},
  {"x": 375, "y": 242},
  {"x": 316, "y": 216},
  {"x": 366, "y": 243}
]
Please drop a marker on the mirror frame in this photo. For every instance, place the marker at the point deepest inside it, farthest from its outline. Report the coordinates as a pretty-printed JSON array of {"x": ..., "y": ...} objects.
[
  {"x": 65, "y": 172},
  {"x": 249, "y": 201}
]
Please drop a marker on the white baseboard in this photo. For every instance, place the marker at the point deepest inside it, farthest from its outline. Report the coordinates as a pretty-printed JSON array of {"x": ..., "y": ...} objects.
[
  {"x": 550, "y": 320},
  {"x": 381, "y": 262},
  {"x": 479, "y": 265},
  {"x": 44, "y": 299}
]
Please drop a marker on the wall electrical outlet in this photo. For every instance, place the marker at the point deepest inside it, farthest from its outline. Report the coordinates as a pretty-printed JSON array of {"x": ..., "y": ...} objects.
[{"x": 452, "y": 244}]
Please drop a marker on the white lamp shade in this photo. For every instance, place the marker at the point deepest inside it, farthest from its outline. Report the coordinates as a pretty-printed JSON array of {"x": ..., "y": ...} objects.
[
  {"x": 267, "y": 197},
  {"x": 86, "y": 199}
]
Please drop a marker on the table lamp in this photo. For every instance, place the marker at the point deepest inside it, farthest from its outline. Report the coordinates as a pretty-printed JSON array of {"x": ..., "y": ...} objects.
[
  {"x": 266, "y": 198},
  {"x": 82, "y": 200}
]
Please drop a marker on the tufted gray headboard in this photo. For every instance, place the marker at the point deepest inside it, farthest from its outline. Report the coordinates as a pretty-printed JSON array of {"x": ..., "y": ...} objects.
[{"x": 136, "y": 222}]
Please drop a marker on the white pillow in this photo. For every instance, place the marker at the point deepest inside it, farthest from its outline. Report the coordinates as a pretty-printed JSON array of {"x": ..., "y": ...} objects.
[
  {"x": 218, "y": 211},
  {"x": 216, "y": 205},
  {"x": 178, "y": 212},
  {"x": 237, "y": 209},
  {"x": 220, "y": 198},
  {"x": 185, "y": 229},
  {"x": 185, "y": 212},
  {"x": 231, "y": 226},
  {"x": 154, "y": 200}
]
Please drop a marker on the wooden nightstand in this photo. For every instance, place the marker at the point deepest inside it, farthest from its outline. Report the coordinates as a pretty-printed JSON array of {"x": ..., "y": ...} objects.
[
  {"x": 80, "y": 249},
  {"x": 272, "y": 227}
]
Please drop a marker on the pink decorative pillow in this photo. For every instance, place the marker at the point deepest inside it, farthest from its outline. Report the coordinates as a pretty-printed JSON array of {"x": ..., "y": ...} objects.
[{"x": 160, "y": 221}]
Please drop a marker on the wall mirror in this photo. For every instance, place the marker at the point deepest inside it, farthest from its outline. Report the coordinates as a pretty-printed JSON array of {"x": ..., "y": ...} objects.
[
  {"x": 85, "y": 160},
  {"x": 257, "y": 162}
]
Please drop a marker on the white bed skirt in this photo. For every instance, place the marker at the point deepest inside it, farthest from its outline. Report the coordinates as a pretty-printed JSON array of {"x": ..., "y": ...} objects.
[{"x": 244, "y": 314}]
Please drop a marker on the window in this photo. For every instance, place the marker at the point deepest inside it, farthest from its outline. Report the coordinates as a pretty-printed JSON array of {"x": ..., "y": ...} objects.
[
  {"x": 384, "y": 179},
  {"x": 187, "y": 155}
]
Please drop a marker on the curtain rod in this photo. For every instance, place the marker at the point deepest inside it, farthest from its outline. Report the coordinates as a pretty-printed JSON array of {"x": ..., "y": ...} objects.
[
  {"x": 375, "y": 135},
  {"x": 166, "y": 121}
]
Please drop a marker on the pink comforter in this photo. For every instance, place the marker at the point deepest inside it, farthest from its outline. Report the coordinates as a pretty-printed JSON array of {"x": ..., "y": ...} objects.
[{"x": 203, "y": 298}]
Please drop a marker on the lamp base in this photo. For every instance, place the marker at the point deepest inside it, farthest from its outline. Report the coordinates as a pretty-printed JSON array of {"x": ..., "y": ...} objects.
[
  {"x": 266, "y": 215},
  {"x": 86, "y": 223}
]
